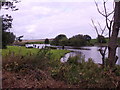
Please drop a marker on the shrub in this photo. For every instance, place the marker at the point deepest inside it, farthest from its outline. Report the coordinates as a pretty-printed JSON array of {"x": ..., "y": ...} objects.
[
  {"x": 74, "y": 72},
  {"x": 13, "y": 62}
]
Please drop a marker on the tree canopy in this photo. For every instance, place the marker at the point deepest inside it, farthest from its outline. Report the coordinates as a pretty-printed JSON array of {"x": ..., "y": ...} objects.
[
  {"x": 77, "y": 40},
  {"x": 59, "y": 39},
  {"x": 46, "y": 41},
  {"x": 7, "y": 36}
]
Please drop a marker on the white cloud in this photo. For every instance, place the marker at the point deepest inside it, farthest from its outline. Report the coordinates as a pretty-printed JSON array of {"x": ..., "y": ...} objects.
[
  {"x": 41, "y": 10},
  {"x": 48, "y": 18},
  {"x": 31, "y": 28}
]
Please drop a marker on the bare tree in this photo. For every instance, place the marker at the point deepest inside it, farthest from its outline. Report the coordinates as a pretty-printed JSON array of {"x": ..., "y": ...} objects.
[
  {"x": 113, "y": 27},
  {"x": 109, "y": 22},
  {"x": 102, "y": 50},
  {"x": 112, "y": 46}
]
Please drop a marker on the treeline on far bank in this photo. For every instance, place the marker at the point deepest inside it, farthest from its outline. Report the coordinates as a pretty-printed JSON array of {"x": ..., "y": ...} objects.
[
  {"x": 77, "y": 40},
  {"x": 80, "y": 40}
]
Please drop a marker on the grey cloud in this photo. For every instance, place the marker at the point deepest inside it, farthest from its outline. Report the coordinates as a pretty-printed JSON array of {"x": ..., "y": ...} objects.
[{"x": 38, "y": 20}]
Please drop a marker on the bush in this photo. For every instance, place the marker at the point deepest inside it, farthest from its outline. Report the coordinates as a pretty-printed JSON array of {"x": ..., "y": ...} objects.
[
  {"x": 15, "y": 63},
  {"x": 74, "y": 72}
]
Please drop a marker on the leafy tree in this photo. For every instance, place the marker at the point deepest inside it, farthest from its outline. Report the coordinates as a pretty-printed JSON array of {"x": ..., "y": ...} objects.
[
  {"x": 58, "y": 39},
  {"x": 77, "y": 40},
  {"x": 87, "y": 39},
  {"x": 46, "y": 41},
  {"x": 63, "y": 42},
  {"x": 7, "y": 36},
  {"x": 101, "y": 39}
]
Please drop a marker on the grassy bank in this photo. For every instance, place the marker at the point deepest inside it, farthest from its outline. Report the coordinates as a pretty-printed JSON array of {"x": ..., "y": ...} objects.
[{"x": 16, "y": 50}]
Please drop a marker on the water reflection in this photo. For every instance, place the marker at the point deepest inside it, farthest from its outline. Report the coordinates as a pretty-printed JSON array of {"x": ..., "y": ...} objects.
[
  {"x": 92, "y": 53},
  {"x": 66, "y": 57}
]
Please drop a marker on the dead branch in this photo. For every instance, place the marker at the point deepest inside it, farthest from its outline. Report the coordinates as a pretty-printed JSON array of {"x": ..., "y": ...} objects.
[
  {"x": 95, "y": 27},
  {"x": 109, "y": 22},
  {"x": 102, "y": 30},
  {"x": 98, "y": 8}
]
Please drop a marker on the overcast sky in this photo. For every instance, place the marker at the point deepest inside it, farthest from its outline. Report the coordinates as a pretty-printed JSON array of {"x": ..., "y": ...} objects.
[{"x": 40, "y": 19}]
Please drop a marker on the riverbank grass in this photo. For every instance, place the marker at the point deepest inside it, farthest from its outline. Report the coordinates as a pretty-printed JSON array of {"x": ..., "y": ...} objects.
[
  {"x": 16, "y": 58},
  {"x": 16, "y": 50}
]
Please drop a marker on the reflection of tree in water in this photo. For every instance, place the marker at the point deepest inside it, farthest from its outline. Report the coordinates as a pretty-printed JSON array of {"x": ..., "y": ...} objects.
[{"x": 73, "y": 54}]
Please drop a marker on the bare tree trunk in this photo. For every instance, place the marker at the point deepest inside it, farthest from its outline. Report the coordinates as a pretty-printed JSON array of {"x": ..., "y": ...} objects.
[{"x": 112, "y": 46}]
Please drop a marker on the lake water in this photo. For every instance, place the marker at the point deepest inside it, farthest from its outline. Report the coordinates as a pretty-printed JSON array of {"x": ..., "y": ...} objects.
[
  {"x": 91, "y": 53},
  {"x": 87, "y": 52}
]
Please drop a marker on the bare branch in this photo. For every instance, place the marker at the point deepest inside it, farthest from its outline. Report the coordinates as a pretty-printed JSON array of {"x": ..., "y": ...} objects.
[
  {"x": 110, "y": 13},
  {"x": 103, "y": 30},
  {"x": 102, "y": 52},
  {"x": 105, "y": 14},
  {"x": 105, "y": 10},
  {"x": 98, "y": 9},
  {"x": 106, "y": 34},
  {"x": 95, "y": 27},
  {"x": 105, "y": 50}
]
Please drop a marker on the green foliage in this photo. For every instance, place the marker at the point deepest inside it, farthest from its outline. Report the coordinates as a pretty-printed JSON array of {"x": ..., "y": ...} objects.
[
  {"x": 60, "y": 39},
  {"x": 85, "y": 73},
  {"x": 101, "y": 39},
  {"x": 18, "y": 51},
  {"x": 9, "y": 4},
  {"x": 74, "y": 73},
  {"x": 7, "y": 37},
  {"x": 63, "y": 41},
  {"x": 117, "y": 72},
  {"x": 119, "y": 41},
  {"x": 95, "y": 41},
  {"x": 40, "y": 42},
  {"x": 87, "y": 38},
  {"x": 19, "y": 58},
  {"x": 77, "y": 40},
  {"x": 46, "y": 41},
  {"x": 56, "y": 54}
]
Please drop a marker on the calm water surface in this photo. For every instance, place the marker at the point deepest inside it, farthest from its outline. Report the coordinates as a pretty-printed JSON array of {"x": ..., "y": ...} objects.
[{"x": 92, "y": 53}]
